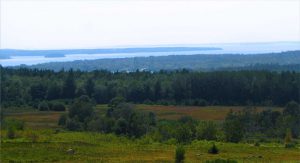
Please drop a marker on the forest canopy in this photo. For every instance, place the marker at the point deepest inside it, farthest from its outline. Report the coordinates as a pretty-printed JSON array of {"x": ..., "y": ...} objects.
[{"x": 182, "y": 87}]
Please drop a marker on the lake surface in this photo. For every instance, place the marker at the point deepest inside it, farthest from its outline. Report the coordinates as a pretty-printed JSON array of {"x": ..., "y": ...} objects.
[{"x": 241, "y": 48}]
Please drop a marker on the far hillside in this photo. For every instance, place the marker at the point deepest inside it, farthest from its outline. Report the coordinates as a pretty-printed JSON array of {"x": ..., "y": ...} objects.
[{"x": 206, "y": 62}]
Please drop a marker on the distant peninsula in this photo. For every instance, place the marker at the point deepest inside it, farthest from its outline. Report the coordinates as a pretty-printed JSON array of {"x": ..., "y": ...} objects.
[{"x": 8, "y": 53}]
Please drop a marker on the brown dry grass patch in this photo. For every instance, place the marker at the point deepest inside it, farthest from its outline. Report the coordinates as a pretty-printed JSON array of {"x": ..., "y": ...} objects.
[
  {"x": 215, "y": 113},
  {"x": 37, "y": 120}
]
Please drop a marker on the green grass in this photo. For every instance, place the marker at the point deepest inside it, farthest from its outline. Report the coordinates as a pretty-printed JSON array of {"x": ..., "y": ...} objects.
[
  {"x": 95, "y": 147},
  {"x": 37, "y": 119}
]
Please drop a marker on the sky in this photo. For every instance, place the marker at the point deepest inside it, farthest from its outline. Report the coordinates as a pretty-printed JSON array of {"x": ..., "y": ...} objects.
[{"x": 63, "y": 24}]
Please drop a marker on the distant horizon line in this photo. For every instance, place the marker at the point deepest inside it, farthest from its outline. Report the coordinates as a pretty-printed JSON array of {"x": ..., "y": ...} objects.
[{"x": 154, "y": 45}]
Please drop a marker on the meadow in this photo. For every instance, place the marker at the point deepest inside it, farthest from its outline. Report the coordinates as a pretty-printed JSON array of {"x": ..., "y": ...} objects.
[
  {"x": 43, "y": 140},
  {"x": 210, "y": 113},
  {"x": 48, "y": 119}
]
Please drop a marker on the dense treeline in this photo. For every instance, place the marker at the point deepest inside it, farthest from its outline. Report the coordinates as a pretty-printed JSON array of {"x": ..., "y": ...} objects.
[{"x": 31, "y": 86}]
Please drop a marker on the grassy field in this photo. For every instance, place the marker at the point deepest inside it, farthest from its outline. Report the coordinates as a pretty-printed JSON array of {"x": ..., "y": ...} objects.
[
  {"x": 38, "y": 119},
  {"x": 93, "y": 147},
  {"x": 197, "y": 112},
  {"x": 41, "y": 141}
]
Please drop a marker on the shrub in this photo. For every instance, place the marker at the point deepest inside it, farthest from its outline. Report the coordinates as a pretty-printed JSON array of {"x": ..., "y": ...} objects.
[
  {"x": 206, "y": 130},
  {"x": 179, "y": 154},
  {"x": 233, "y": 128},
  {"x": 73, "y": 124},
  {"x": 213, "y": 149},
  {"x": 58, "y": 107},
  {"x": 290, "y": 145},
  {"x": 62, "y": 120},
  {"x": 121, "y": 126},
  {"x": 43, "y": 106},
  {"x": 184, "y": 133},
  {"x": 10, "y": 133},
  {"x": 116, "y": 101},
  {"x": 81, "y": 108},
  {"x": 200, "y": 102},
  {"x": 288, "y": 137},
  {"x": 13, "y": 124},
  {"x": 256, "y": 144}
]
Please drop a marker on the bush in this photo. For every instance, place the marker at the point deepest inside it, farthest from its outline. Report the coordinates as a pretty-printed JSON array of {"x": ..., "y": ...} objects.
[
  {"x": 73, "y": 125},
  {"x": 82, "y": 108},
  {"x": 290, "y": 145},
  {"x": 206, "y": 130},
  {"x": 256, "y": 144},
  {"x": 116, "y": 101},
  {"x": 10, "y": 133},
  {"x": 43, "y": 106},
  {"x": 58, "y": 107},
  {"x": 233, "y": 128},
  {"x": 13, "y": 124},
  {"x": 62, "y": 120},
  {"x": 288, "y": 137},
  {"x": 200, "y": 102},
  {"x": 213, "y": 149},
  {"x": 179, "y": 154}
]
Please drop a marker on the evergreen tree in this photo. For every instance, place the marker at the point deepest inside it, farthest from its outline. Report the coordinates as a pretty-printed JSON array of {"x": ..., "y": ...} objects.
[
  {"x": 69, "y": 86},
  {"x": 89, "y": 87}
]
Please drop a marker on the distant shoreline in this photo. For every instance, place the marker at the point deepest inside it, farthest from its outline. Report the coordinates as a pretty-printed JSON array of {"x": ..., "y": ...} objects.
[{"x": 8, "y": 53}]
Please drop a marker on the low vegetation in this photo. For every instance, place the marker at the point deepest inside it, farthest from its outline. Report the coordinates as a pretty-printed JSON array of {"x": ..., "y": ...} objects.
[{"x": 70, "y": 125}]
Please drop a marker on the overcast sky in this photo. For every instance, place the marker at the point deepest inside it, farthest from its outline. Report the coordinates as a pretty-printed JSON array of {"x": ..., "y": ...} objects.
[{"x": 41, "y": 24}]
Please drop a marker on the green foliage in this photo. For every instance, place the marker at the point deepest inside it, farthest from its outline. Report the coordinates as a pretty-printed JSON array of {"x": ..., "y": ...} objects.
[
  {"x": 10, "y": 133},
  {"x": 185, "y": 130},
  {"x": 81, "y": 108},
  {"x": 57, "y": 106},
  {"x": 89, "y": 87},
  {"x": 92, "y": 147},
  {"x": 233, "y": 128},
  {"x": 13, "y": 124},
  {"x": 116, "y": 101},
  {"x": 25, "y": 87},
  {"x": 179, "y": 154},
  {"x": 54, "y": 91},
  {"x": 213, "y": 149},
  {"x": 121, "y": 127},
  {"x": 182, "y": 87},
  {"x": 290, "y": 145},
  {"x": 69, "y": 85},
  {"x": 291, "y": 118},
  {"x": 121, "y": 119},
  {"x": 256, "y": 144},
  {"x": 207, "y": 130},
  {"x": 73, "y": 124},
  {"x": 62, "y": 120},
  {"x": 130, "y": 122},
  {"x": 43, "y": 106},
  {"x": 292, "y": 108},
  {"x": 38, "y": 91},
  {"x": 288, "y": 137}
]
